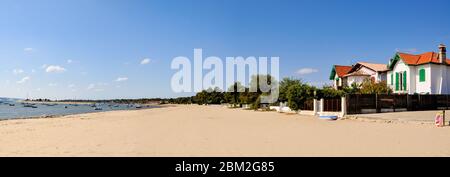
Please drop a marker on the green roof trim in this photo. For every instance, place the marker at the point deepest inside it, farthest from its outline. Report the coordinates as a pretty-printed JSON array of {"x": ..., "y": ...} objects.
[
  {"x": 333, "y": 73},
  {"x": 394, "y": 61}
]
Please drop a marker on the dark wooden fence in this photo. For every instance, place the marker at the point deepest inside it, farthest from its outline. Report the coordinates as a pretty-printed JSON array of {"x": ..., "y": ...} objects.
[
  {"x": 366, "y": 103},
  {"x": 332, "y": 104},
  {"x": 308, "y": 105}
]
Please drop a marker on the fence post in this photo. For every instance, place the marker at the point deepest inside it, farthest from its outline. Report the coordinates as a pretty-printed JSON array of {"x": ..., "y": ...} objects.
[
  {"x": 357, "y": 110},
  {"x": 315, "y": 107},
  {"x": 393, "y": 102},
  {"x": 343, "y": 106},
  {"x": 322, "y": 103},
  {"x": 377, "y": 105}
]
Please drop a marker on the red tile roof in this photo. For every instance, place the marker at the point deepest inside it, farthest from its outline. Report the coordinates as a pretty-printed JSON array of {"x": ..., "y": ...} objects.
[
  {"x": 429, "y": 57},
  {"x": 341, "y": 71}
]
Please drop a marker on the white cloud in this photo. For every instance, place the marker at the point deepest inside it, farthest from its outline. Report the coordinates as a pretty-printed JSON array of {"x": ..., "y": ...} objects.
[
  {"x": 305, "y": 71},
  {"x": 99, "y": 90},
  {"x": 145, "y": 61},
  {"x": 121, "y": 79},
  {"x": 69, "y": 61},
  {"x": 97, "y": 87},
  {"x": 18, "y": 71},
  {"x": 55, "y": 69},
  {"x": 91, "y": 86},
  {"x": 28, "y": 49},
  {"x": 71, "y": 86},
  {"x": 23, "y": 80},
  {"x": 44, "y": 66},
  {"x": 33, "y": 71},
  {"x": 52, "y": 84},
  {"x": 38, "y": 89}
]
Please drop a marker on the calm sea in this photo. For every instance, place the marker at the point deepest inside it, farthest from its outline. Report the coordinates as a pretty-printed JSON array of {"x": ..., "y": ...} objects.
[{"x": 19, "y": 111}]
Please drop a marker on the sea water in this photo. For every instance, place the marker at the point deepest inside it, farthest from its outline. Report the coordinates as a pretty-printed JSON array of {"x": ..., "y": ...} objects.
[{"x": 42, "y": 110}]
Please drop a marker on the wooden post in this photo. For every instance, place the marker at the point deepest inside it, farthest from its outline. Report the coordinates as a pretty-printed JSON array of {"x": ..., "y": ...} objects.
[
  {"x": 377, "y": 105},
  {"x": 443, "y": 118},
  {"x": 393, "y": 102}
]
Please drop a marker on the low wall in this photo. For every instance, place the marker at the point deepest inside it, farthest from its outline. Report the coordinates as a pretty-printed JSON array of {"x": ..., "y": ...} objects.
[{"x": 317, "y": 111}]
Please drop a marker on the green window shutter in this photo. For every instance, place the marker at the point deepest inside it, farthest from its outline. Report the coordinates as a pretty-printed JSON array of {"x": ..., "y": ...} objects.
[
  {"x": 392, "y": 78},
  {"x": 404, "y": 80},
  {"x": 396, "y": 81},
  {"x": 422, "y": 75}
]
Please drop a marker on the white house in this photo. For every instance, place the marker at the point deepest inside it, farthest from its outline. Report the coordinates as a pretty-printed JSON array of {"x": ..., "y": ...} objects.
[
  {"x": 425, "y": 73},
  {"x": 364, "y": 70},
  {"x": 345, "y": 76},
  {"x": 337, "y": 75}
]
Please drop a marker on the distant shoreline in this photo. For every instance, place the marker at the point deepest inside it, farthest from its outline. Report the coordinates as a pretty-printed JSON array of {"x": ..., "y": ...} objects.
[
  {"x": 76, "y": 102},
  {"x": 54, "y": 102},
  {"x": 69, "y": 114}
]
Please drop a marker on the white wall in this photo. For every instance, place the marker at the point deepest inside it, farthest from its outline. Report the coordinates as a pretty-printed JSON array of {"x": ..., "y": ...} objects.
[
  {"x": 400, "y": 67},
  {"x": 423, "y": 87},
  {"x": 356, "y": 79},
  {"x": 439, "y": 79}
]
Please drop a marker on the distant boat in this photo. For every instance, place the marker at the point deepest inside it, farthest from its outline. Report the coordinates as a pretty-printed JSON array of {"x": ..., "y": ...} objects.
[
  {"x": 27, "y": 105},
  {"x": 12, "y": 105},
  {"x": 98, "y": 108},
  {"x": 138, "y": 107},
  {"x": 328, "y": 117}
]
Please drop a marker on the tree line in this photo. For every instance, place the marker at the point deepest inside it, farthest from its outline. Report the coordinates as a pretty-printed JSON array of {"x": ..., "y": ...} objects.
[{"x": 292, "y": 91}]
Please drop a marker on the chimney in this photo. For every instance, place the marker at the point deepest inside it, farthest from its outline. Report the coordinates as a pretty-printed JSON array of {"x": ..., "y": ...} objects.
[{"x": 442, "y": 53}]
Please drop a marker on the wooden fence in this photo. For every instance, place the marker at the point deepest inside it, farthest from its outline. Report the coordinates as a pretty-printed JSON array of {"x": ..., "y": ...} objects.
[
  {"x": 308, "y": 105},
  {"x": 376, "y": 103},
  {"x": 332, "y": 104}
]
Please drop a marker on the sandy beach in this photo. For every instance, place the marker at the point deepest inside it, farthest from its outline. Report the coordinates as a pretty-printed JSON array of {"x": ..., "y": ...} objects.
[{"x": 215, "y": 131}]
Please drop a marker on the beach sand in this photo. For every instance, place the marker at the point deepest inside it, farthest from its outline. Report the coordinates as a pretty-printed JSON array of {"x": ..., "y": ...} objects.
[{"x": 215, "y": 131}]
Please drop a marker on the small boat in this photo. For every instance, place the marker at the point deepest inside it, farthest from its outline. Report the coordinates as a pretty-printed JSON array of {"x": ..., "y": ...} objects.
[
  {"x": 29, "y": 105},
  {"x": 47, "y": 104},
  {"x": 138, "y": 106},
  {"x": 12, "y": 105},
  {"x": 98, "y": 108},
  {"x": 328, "y": 117}
]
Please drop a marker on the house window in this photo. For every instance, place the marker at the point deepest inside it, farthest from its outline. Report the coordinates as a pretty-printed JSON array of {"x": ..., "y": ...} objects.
[
  {"x": 338, "y": 83},
  {"x": 422, "y": 75}
]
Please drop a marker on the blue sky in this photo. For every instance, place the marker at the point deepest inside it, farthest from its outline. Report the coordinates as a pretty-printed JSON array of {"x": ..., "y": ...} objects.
[{"x": 94, "y": 48}]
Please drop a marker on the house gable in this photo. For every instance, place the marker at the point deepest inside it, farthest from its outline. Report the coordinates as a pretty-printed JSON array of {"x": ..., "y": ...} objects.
[{"x": 340, "y": 71}]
